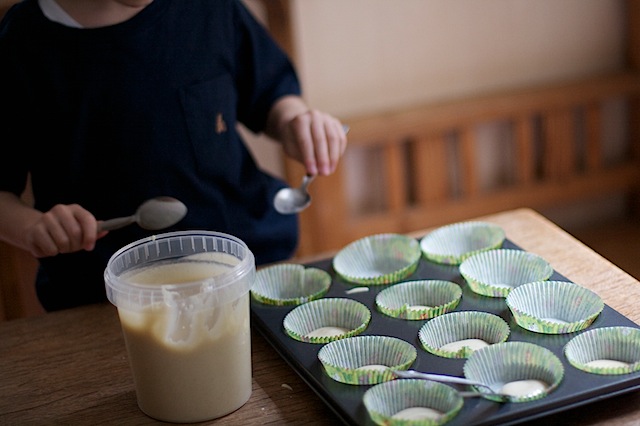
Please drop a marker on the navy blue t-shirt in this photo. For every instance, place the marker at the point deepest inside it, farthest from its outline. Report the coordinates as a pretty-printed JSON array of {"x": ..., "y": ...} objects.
[{"x": 109, "y": 117}]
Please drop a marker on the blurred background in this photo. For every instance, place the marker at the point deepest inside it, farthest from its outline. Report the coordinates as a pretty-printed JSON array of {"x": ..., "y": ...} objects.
[
  {"x": 457, "y": 109},
  {"x": 379, "y": 60},
  {"x": 358, "y": 57}
]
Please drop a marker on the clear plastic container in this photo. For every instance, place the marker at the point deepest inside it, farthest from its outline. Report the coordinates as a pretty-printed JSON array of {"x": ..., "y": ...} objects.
[{"x": 183, "y": 303}]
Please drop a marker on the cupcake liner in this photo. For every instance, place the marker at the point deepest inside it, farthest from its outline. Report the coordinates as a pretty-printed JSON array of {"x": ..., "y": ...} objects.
[
  {"x": 385, "y": 402},
  {"x": 504, "y": 366},
  {"x": 345, "y": 317},
  {"x": 378, "y": 259},
  {"x": 366, "y": 360},
  {"x": 289, "y": 284},
  {"x": 453, "y": 243},
  {"x": 438, "y": 335},
  {"x": 554, "y": 307},
  {"x": 607, "y": 350},
  {"x": 419, "y": 300},
  {"x": 495, "y": 273}
]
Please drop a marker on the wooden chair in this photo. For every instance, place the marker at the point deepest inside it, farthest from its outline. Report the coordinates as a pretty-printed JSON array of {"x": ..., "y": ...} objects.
[
  {"x": 425, "y": 159},
  {"x": 426, "y": 167}
]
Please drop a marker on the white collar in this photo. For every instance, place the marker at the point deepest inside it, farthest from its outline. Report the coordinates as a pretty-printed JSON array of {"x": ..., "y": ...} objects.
[{"x": 55, "y": 13}]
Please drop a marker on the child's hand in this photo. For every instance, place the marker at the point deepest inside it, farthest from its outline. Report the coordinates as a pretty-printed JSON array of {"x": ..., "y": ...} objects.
[{"x": 63, "y": 229}]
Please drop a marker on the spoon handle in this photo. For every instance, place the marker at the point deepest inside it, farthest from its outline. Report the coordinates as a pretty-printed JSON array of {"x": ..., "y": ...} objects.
[
  {"x": 499, "y": 397},
  {"x": 117, "y": 223},
  {"x": 412, "y": 374},
  {"x": 306, "y": 181}
]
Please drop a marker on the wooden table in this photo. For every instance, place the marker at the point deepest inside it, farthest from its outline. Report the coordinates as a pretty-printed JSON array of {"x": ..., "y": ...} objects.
[{"x": 70, "y": 367}]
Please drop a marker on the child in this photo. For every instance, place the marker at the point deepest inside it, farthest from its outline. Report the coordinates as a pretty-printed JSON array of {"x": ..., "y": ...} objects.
[{"x": 113, "y": 102}]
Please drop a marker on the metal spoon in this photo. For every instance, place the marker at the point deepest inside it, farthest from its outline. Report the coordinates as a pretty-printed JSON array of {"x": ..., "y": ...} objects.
[
  {"x": 156, "y": 213},
  {"x": 413, "y": 374},
  {"x": 294, "y": 200},
  {"x": 489, "y": 393}
]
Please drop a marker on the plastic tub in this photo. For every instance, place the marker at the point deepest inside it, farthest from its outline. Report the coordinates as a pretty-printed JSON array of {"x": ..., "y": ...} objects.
[{"x": 183, "y": 303}]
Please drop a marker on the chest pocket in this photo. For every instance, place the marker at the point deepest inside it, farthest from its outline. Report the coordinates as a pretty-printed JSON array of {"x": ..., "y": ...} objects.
[{"x": 209, "y": 110}]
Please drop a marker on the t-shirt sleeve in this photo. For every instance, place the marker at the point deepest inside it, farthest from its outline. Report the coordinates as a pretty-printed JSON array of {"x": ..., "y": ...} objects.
[{"x": 264, "y": 73}]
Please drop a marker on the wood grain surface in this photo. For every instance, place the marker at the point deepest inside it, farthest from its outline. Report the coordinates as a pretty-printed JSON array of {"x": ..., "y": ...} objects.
[{"x": 71, "y": 367}]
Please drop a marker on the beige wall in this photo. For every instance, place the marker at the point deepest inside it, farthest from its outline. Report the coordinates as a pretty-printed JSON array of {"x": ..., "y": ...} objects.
[
  {"x": 360, "y": 56},
  {"x": 369, "y": 55}
]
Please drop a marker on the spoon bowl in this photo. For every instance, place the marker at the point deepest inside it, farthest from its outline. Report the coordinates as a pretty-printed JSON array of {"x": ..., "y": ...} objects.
[
  {"x": 154, "y": 214},
  {"x": 293, "y": 200}
]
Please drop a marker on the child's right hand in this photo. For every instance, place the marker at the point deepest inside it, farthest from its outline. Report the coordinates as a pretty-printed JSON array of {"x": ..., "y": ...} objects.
[{"x": 66, "y": 228}]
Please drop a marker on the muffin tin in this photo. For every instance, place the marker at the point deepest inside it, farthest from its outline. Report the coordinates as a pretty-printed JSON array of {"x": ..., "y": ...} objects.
[{"x": 576, "y": 388}]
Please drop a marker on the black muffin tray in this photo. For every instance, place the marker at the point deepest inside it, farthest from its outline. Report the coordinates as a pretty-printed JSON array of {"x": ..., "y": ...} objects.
[{"x": 577, "y": 387}]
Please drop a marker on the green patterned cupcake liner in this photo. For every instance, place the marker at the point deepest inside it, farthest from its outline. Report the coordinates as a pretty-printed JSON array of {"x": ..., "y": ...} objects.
[
  {"x": 412, "y": 402},
  {"x": 459, "y": 334},
  {"x": 523, "y": 371},
  {"x": 554, "y": 307},
  {"x": 606, "y": 351},
  {"x": 325, "y": 320},
  {"x": 419, "y": 300},
  {"x": 495, "y": 273},
  {"x": 366, "y": 360},
  {"x": 452, "y": 244},
  {"x": 290, "y": 284},
  {"x": 378, "y": 259}
]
